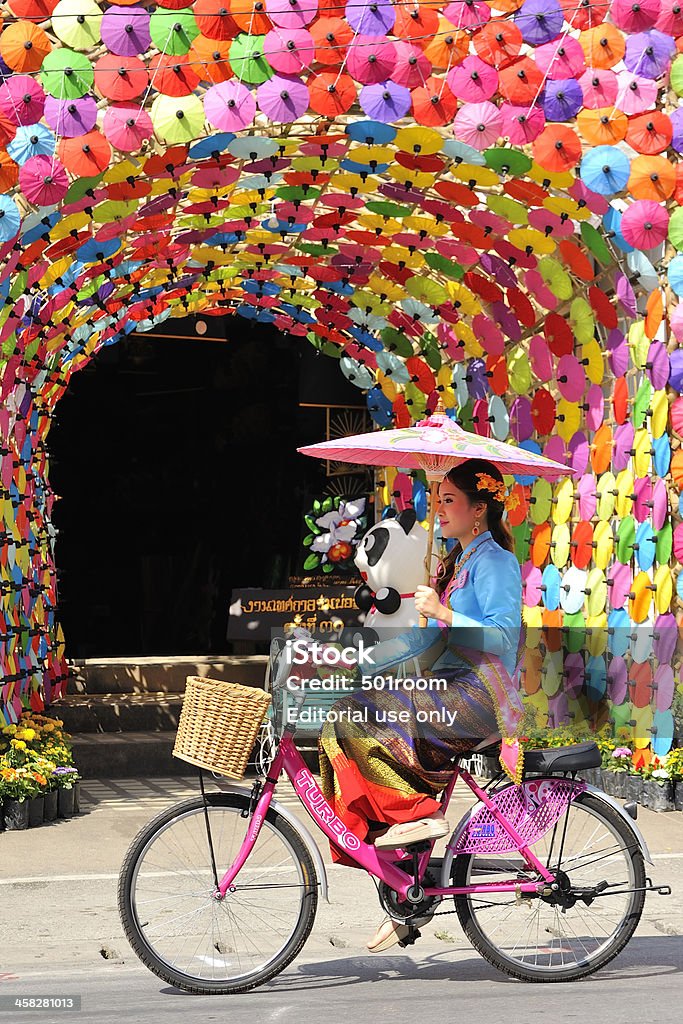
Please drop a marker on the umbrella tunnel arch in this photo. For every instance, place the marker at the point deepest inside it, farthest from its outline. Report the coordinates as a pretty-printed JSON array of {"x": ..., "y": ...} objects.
[{"x": 476, "y": 202}]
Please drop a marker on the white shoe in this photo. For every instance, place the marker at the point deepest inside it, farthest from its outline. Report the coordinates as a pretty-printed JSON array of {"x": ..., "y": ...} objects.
[{"x": 413, "y": 832}]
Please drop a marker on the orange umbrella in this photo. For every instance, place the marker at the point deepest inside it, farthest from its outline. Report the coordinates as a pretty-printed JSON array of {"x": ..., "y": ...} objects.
[
  {"x": 650, "y": 132},
  {"x": 457, "y": 193},
  {"x": 528, "y": 192},
  {"x": 331, "y": 37},
  {"x": 8, "y": 129},
  {"x": 603, "y": 46},
  {"x": 214, "y": 20},
  {"x": 557, "y": 148},
  {"x": 652, "y": 177},
  {"x": 416, "y": 23},
  {"x": 602, "y": 127},
  {"x": 9, "y": 171},
  {"x": 448, "y": 47},
  {"x": 576, "y": 260},
  {"x": 520, "y": 81},
  {"x": 250, "y": 16},
  {"x": 209, "y": 58},
  {"x": 433, "y": 103},
  {"x": 498, "y": 42},
  {"x": 331, "y": 94},
  {"x": 173, "y": 75},
  {"x": 24, "y": 46},
  {"x": 87, "y": 155}
]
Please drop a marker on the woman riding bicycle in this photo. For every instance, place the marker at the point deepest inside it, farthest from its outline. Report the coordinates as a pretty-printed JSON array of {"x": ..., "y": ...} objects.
[{"x": 382, "y": 779}]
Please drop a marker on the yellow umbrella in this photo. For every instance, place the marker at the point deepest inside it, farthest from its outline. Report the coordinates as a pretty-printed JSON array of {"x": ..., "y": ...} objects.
[
  {"x": 558, "y": 179},
  {"x": 64, "y": 227},
  {"x": 519, "y": 371},
  {"x": 387, "y": 385},
  {"x": 464, "y": 332},
  {"x": 557, "y": 279},
  {"x": 418, "y": 140},
  {"x": 564, "y": 500},
  {"x": 536, "y": 241},
  {"x": 595, "y": 365},
  {"x": 419, "y": 223},
  {"x": 511, "y": 209},
  {"x": 371, "y": 154},
  {"x": 418, "y": 179},
  {"x": 399, "y": 254},
  {"x": 444, "y": 377},
  {"x": 481, "y": 176},
  {"x": 571, "y": 412},
  {"x": 426, "y": 290},
  {"x": 470, "y": 304},
  {"x": 624, "y": 486},
  {"x": 121, "y": 171},
  {"x": 385, "y": 225},
  {"x": 383, "y": 286},
  {"x": 605, "y": 489},
  {"x": 112, "y": 210}
]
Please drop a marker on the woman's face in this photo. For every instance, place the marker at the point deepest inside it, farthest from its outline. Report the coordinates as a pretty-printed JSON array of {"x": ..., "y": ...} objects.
[{"x": 456, "y": 515}]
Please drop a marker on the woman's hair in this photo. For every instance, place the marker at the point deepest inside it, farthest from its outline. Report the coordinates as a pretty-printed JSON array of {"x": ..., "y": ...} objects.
[{"x": 464, "y": 477}]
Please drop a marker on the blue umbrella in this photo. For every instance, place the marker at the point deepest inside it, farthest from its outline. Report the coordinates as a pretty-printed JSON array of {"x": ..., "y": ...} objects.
[
  {"x": 562, "y": 99},
  {"x": 10, "y": 218},
  {"x": 649, "y": 53},
  {"x": 539, "y": 21},
  {"x": 94, "y": 251},
  {"x": 31, "y": 140},
  {"x": 37, "y": 231},
  {"x": 380, "y": 407},
  {"x": 605, "y": 170},
  {"x": 611, "y": 222},
  {"x": 463, "y": 154},
  {"x": 675, "y": 274},
  {"x": 207, "y": 147},
  {"x": 356, "y": 168},
  {"x": 371, "y": 132}
]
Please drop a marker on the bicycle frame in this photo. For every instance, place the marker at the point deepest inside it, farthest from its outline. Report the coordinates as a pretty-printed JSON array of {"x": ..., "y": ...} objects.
[{"x": 379, "y": 863}]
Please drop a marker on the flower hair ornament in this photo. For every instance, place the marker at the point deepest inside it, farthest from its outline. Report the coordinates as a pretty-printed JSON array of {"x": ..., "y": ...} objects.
[{"x": 498, "y": 490}]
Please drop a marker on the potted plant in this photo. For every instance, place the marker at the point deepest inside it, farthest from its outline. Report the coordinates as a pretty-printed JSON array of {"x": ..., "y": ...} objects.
[
  {"x": 618, "y": 769},
  {"x": 674, "y": 763},
  {"x": 66, "y": 777},
  {"x": 14, "y": 798},
  {"x": 657, "y": 786}
]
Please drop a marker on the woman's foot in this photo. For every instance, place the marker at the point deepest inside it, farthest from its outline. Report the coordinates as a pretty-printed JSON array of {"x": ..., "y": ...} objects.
[
  {"x": 433, "y": 827},
  {"x": 388, "y": 934}
]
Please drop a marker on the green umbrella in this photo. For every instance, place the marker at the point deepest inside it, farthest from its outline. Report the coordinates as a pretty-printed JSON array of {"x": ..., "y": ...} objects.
[
  {"x": 80, "y": 187},
  {"x": 425, "y": 290},
  {"x": 507, "y": 161},
  {"x": 664, "y": 544},
  {"x": 396, "y": 342},
  {"x": 676, "y": 228},
  {"x": 676, "y": 75},
  {"x": 575, "y": 625},
  {"x": 66, "y": 75},
  {"x": 247, "y": 61},
  {"x": 312, "y": 249},
  {"x": 294, "y": 193},
  {"x": 177, "y": 119},
  {"x": 595, "y": 242},
  {"x": 431, "y": 351},
  {"x": 522, "y": 535},
  {"x": 513, "y": 211},
  {"x": 385, "y": 209},
  {"x": 444, "y": 266},
  {"x": 173, "y": 31},
  {"x": 326, "y": 347},
  {"x": 641, "y": 403},
  {"x": 557, "y": 279}
]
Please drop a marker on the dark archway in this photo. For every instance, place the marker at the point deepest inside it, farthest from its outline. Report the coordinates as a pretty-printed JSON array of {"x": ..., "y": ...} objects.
[{"x": 181, "y": 453}]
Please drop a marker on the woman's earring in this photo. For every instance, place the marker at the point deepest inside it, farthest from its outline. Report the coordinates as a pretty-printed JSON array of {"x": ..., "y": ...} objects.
[{"x": 475, "y": 528}]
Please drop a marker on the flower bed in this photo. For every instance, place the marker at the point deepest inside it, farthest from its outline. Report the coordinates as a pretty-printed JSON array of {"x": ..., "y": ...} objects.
[
  {"x": 38, "y": 779},
  {"x": 654, "y": 782}
]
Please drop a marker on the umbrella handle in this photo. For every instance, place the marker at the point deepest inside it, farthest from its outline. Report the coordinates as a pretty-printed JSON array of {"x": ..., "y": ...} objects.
[{"x": 433, "y": 497}]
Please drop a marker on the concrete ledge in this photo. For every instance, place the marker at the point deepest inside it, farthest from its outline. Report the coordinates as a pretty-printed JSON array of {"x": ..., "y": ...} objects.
[{"x": 167, "y": 674}]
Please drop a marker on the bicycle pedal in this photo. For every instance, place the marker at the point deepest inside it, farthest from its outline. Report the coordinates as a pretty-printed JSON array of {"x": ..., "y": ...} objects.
[{"x": 413, "y": 934}]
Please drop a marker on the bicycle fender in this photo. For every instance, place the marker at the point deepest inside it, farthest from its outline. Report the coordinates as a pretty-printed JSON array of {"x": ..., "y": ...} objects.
[
  {"x": 629, "y": 821},
  {"x": 296, "y": 824}
]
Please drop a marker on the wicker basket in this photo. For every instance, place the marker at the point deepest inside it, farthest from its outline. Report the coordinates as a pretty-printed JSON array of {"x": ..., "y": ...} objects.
[{"x": 218, "y": 725}]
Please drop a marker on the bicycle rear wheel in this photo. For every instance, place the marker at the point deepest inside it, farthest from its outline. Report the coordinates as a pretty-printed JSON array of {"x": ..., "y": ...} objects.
[
  {"x": 558, "y": 937},
  {"x": 185, "y": 936}
]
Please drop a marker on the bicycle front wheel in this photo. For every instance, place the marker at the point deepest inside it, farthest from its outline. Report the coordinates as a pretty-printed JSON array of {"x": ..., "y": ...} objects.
[
  {"x": 563, "y": 936},
  {"x": 208, "y": 946}
]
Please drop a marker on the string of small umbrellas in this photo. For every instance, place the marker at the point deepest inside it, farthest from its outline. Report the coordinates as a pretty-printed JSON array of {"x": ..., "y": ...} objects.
[{"x": 461, "y": 202}]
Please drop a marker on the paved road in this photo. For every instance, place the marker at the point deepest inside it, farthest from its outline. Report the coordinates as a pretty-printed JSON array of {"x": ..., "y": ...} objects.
[{"x": 61, "y": 935}]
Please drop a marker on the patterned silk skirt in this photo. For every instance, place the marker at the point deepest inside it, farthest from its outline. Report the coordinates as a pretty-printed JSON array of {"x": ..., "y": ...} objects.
[{"x": 385, "y": 753}]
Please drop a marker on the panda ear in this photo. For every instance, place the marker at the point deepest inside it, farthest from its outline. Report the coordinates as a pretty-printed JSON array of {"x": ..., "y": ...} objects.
[{"x": 407, "y": 518}]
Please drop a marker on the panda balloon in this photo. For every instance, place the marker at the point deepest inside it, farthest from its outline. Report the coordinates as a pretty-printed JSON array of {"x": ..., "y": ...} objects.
[{"x": 391, "y": 558}]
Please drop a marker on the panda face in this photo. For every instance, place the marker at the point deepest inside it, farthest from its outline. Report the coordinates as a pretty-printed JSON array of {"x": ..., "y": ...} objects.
[{"x": 375, "y": 544}]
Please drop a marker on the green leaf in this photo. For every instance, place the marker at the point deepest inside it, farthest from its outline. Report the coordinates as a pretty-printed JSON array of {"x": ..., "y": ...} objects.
[
  {"x": 312, "y": 562},
  {"x": 327, "y": 504},
  {"x": 308, "y": 540},
  {"x": 317, "y": 507},
  {"x": 328, "y": 567},
  {"x": 311, "y": 524}
]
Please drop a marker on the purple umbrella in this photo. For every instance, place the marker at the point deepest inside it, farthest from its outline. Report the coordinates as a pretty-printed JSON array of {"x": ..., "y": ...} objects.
[
  {"x": 71, "y": 118},
  {"x": 627, "y": 297},
  {"x": 229, "y": 106},
  {"x": 539, "y": 21},
  {"x": 562, "y": 99},
  {"x": 125, "y": 30},
  {"x": 478, "y": 381},
  {"x": 385, "y": 101},
  {"x": 372, "y": 19},
  {"x": 623, "y": 443},
  {"x": 649, "y": 53},
  {"x": 283, "y": 98},
  {"x": 677, "y": 123},
  {"x": 618, "y": 350},
  {"x": 521, "y": 420},
  {"x": 580, "y": 451},
  {"x": 507, "y": 320},
  {"x": 22, "y": 100},
  {"x": 499, "y": 269}
]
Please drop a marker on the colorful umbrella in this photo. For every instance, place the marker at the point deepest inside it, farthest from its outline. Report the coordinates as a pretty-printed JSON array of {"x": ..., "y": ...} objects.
[
  {"x": 120, "y": 78},
  {"x": 10, "y": 218},
  {"x": 71, "y": 117},
  {"x": 371, "y": 59},
  {"x": 229, "y": 106},
  {"x": 127, "y": 127},
  {"x": 32, "y": 140},
  {"x": 24, "y": 46},
  {"x": 289, "y": 51},
  {"x": 478, "y": 125},
  {"x": 66, "y": 74},
  {"x": 385, "y": 102},
  {"x": 283, "y": 99},
  {"x": 43, "y": 180},
  {"x": 605, "y": 170},
  {"x": 22, "y": 99}
]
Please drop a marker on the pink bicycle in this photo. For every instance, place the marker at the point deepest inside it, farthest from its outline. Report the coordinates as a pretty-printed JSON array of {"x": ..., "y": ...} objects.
[{"x": 218, "y": 894}]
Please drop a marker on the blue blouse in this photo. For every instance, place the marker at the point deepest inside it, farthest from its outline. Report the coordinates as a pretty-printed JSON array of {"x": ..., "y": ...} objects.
[{"x": 487, "y": 608}]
